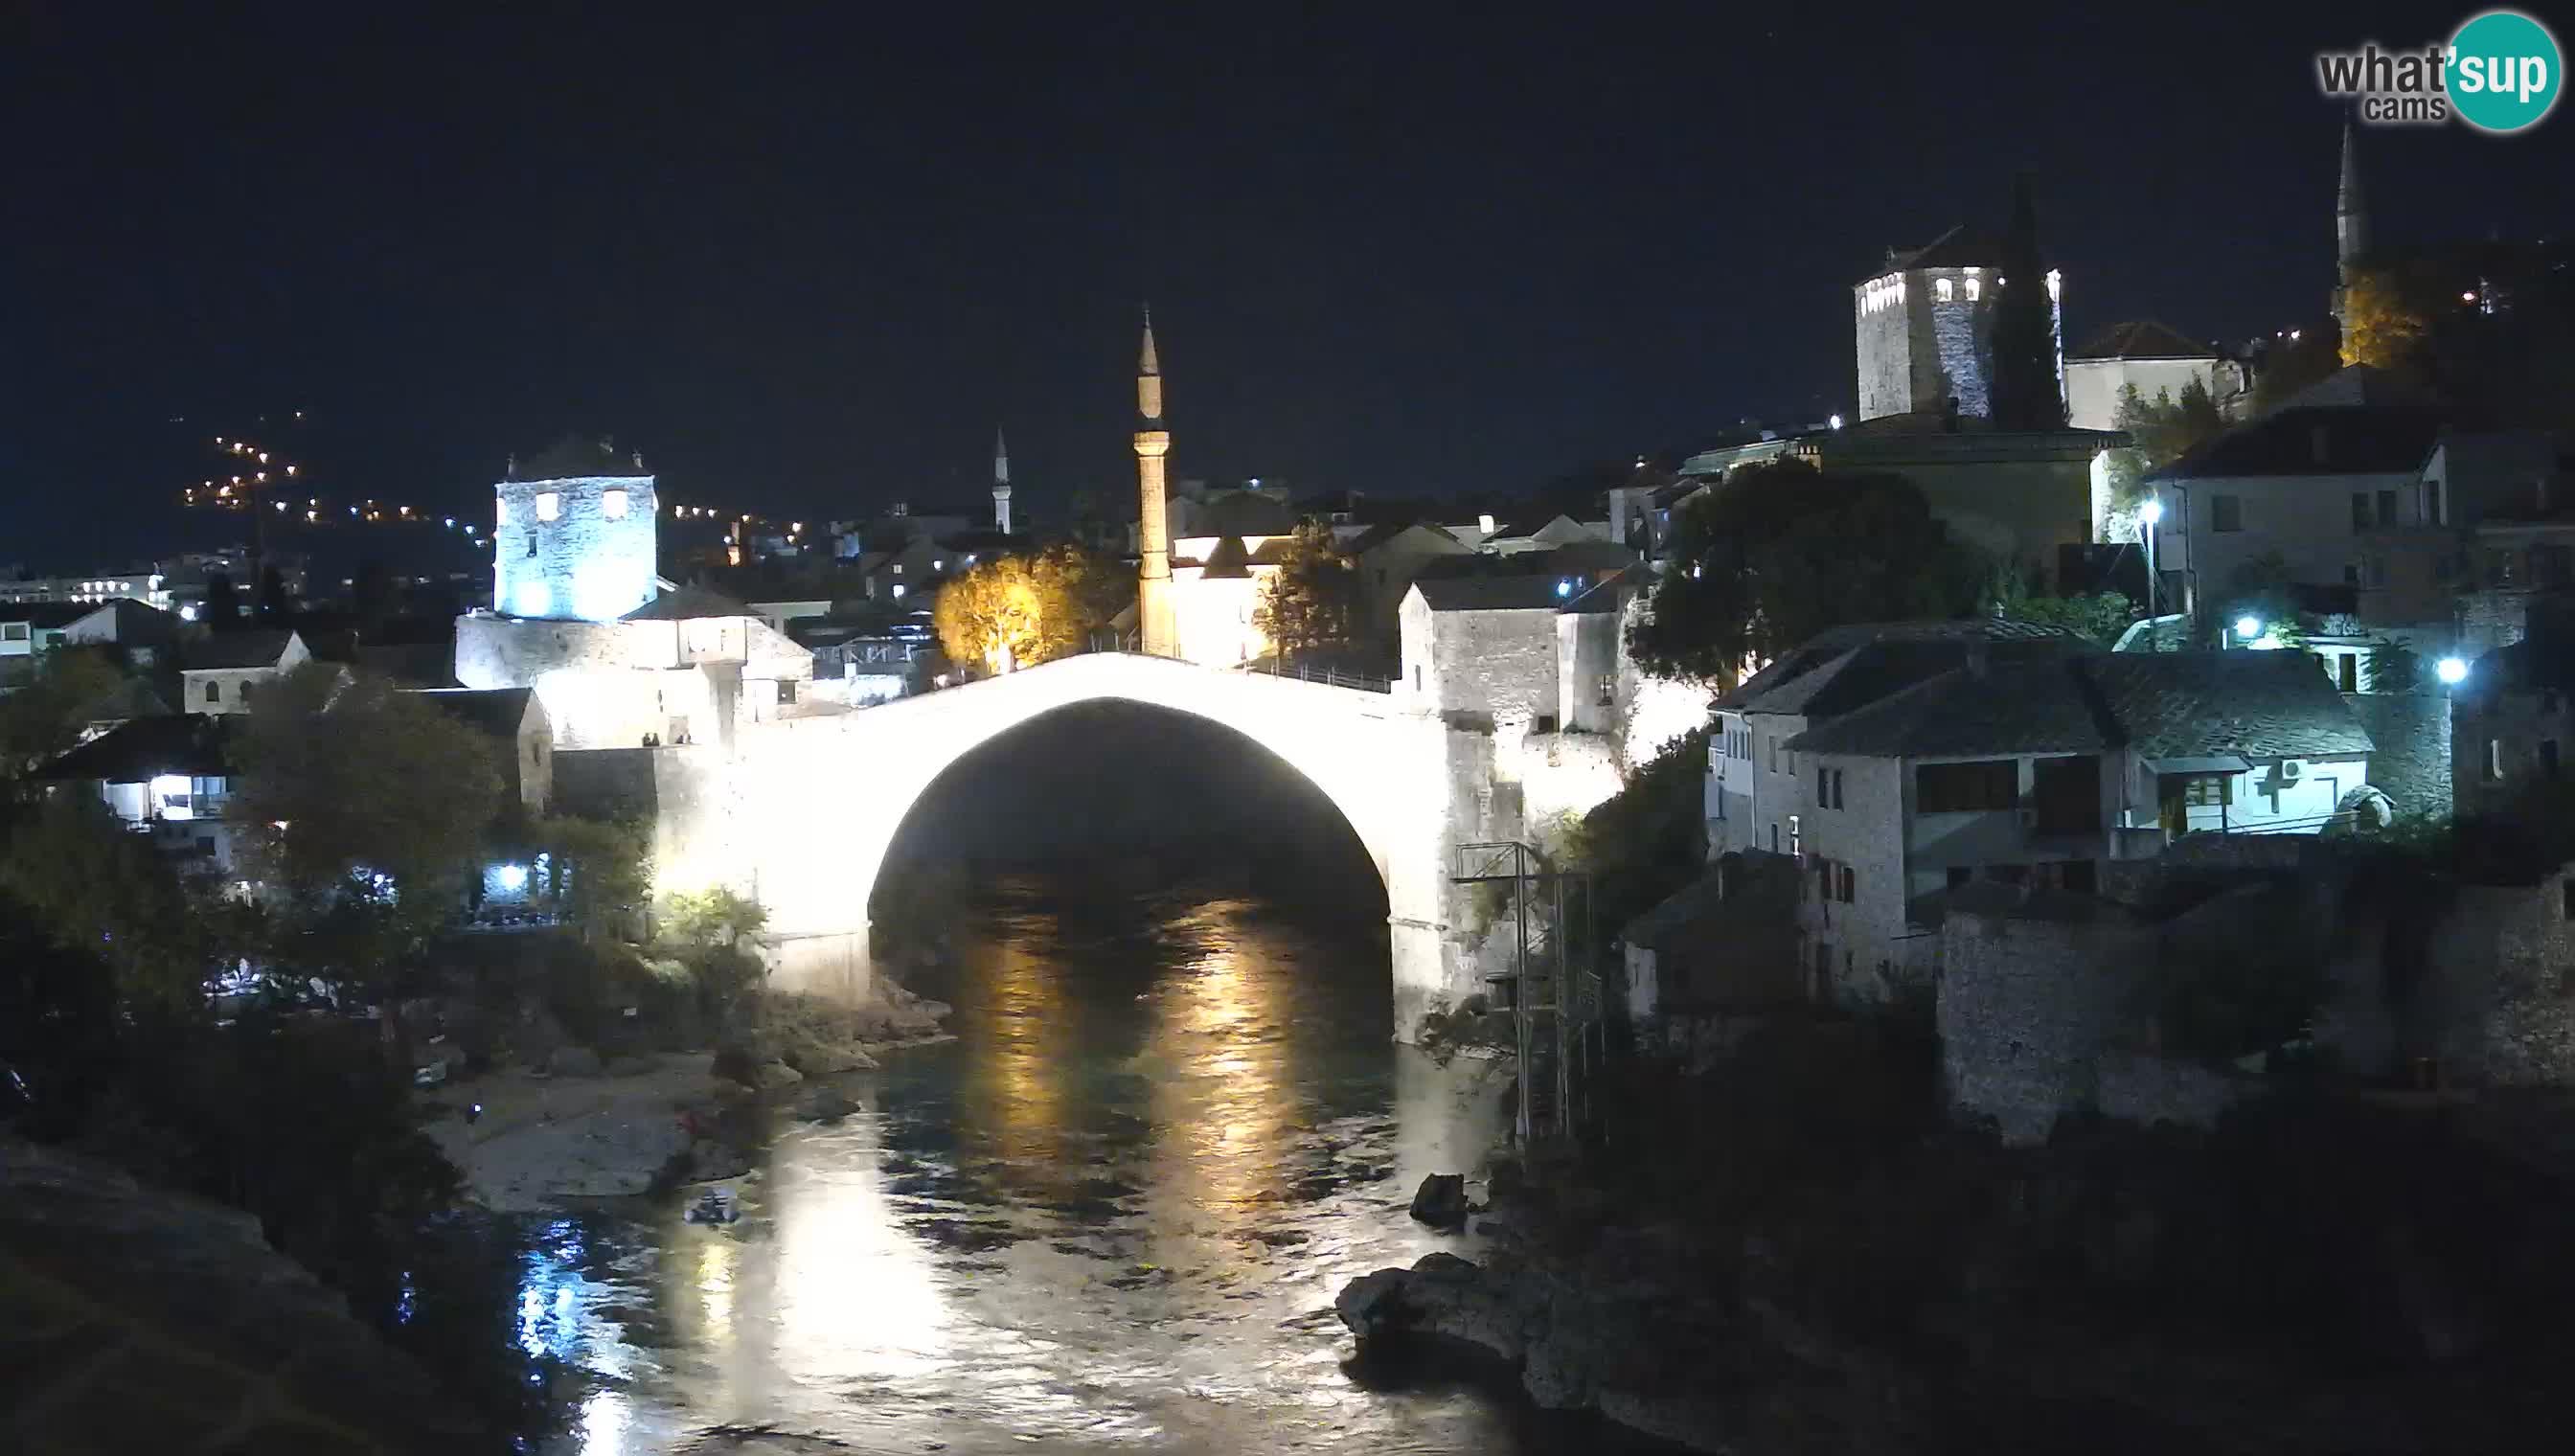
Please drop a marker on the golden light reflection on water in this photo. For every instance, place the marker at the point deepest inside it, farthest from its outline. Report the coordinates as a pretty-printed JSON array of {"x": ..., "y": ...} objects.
[{"x": 1229, "y": 1101}]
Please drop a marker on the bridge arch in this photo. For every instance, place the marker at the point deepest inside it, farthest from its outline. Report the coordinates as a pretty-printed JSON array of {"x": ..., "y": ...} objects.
[{"x": 813, "y": 804}]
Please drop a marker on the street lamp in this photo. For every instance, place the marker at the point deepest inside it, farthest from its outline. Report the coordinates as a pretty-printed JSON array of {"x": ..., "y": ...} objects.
[
  {"x": 2451, "y": 670},
  {"x": 2248, "y": 626}
]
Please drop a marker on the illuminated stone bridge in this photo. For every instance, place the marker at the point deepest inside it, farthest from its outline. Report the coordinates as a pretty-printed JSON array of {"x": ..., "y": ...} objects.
[{"x": 808, "y": 806}]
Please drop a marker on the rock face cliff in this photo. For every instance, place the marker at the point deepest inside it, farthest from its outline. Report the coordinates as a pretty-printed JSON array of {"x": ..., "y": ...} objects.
[{"x": 133, "y": 1319}]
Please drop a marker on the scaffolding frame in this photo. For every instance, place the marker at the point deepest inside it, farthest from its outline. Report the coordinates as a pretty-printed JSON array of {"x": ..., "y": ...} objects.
[{"x": 1554, "y": 996}]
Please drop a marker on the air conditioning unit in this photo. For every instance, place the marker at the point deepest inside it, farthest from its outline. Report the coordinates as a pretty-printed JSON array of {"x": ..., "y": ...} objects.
[{"x": 2289, "y": 770}]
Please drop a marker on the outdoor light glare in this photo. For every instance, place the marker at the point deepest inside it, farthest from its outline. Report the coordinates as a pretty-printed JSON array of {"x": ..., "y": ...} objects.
[
  {"x": 514, "y": 877},
  {"x": 2451, "y": 670},
  {"x": 2248, "y": 627},
  {"x": 2153, "y": 512},
  {"x": 1835, "y": 422}
]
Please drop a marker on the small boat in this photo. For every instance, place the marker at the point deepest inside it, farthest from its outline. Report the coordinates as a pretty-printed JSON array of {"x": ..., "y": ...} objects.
[{"x": 715, "y": 1205}]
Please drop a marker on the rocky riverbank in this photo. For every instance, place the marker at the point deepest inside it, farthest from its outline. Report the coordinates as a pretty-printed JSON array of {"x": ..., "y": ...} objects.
[
  {"x": 583, "y": 1126},
  {"x": 1776, "y": 1265}
]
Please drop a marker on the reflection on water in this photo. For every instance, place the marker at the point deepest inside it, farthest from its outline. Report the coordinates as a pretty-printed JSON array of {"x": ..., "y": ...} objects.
[{"x": 1110, "y": 1215}]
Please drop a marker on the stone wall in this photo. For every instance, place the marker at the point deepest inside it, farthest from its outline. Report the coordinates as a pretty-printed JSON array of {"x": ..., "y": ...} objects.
[
  {"x": 2026, "y": 1005},
  {"x": 2140, "y": 1088},
  {"x": 2411, "y": 762},
  {"x": 2502, "y": 993},
  {"x": 584, "y": 563},
  {"x": 2496, "y": 755},
  {"x": 1495, "y": 668}
]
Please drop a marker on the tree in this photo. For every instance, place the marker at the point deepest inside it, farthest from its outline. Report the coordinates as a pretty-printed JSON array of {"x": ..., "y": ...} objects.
[
  {"x": 49, "y": 713},
  {"x": 1311, "y": 601},
  {"x": 601, "y": 869},
  {"x": 1780, "y": 551},
  {"x": 2162, "y": 430},
  {"x": 2386, "y": 323},
  {"x": 88, "y": 885},
  {"x": 222, "y": 602},
  {"x": 377, "y": 803},
  {"x": 373, "y": 598},
  {"x": 2027, "y": 393},
  {"x": 2101, "y": 616},
  {"x": 274, "y": 608},
  {"x": 713, "y": 918},
  {"x": 1020, "y": 610}
]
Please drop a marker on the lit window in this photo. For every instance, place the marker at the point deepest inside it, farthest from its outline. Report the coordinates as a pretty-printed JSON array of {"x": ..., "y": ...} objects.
[
  {"x": 1942, "y": 290},
  {"x": 612, "y": 504},
  {"x": 937, "y": 566},
  {"x": 898, "y": 590},
  {"x": 1975, "y": 286},
  {"x": 548, "y": 505}
]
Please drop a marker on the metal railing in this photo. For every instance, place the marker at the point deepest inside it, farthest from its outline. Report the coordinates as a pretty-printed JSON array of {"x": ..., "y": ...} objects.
[{"x": 1329, "y": 677}]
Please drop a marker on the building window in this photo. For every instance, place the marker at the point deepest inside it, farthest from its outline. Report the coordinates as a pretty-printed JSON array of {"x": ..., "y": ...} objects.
[
  {"x": 1849, "y": 882},
  {"x": 2387, "y": 508},
  {"x": 532, "y": 542},
  {"x": 1976, "y": 288},
  {"x": 1797, "y": 838},
  {"x": 214, "y": 691},
  {"x": 1967, "y": 787},
  {"x": 2225, "y": 512},
  {"x": 2432, "y": 502},
  {"x": 612, "y": 504},
  {"x": 1838, "y": 788},
  {"x": 2494, "y": 760},
  {"x": 1942, "y": 290},
  {"x": 2548, "y": 757},
  {"x": 13, "y": 632},
  {"x": 2199, "y": 790},
  {"x": 2360, "y": 510},
  {"x": 1774, "y": 838},
  {"x": 548, "y": 505},
  {"x": 500, "y": 513},
  {"x": 1416, "y": 677}
]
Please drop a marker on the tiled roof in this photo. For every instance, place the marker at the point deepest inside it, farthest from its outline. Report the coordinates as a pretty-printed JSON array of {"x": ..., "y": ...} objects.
[
  {"x": 2259, "y": 705},
  {"x": 689, "y": 603},
  {"x": 2316, "y": 440},
  {"x": 2142, "y": 339},
  {"x": 1228, "y": 558},
  {"x": 188, "y": 742},
  {"x": 258, "y": 647},
  {"x": 1770, "y": 691},
  {"x": 1514, "y": 593},
  {"x": 46, "y": 614}
]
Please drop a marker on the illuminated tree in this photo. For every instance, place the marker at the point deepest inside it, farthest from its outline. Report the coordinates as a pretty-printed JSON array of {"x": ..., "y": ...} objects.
[
  {"x": 1020, "y": 610},
  {"x": 601, "y": 869},
  {"x": 2164, "y": 430},
  {"x": 1311, "y": 601},
  {"x": 2385, "y": 324}
]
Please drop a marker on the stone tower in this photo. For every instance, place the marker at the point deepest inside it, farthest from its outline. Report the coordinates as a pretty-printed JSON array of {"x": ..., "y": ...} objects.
[
  {"x": 2351, "y": 228},
  {"x": 1155, "y": 620},
  {"x": 574, "y": 533},
  {"x": 1001, "y": 484}
]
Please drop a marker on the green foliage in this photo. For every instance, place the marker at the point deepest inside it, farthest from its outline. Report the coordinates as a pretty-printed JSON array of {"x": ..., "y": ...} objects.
[
  {"x": 2027, "y": 394},
  {"x": 87, "y": 882},
  {"x": 49, "y": 712},
  {"x": 386, "y": 802},
  {"x": 1779, "y": 552},
  {"x": 2163, "y": 430},
  {"x": 602, "y": 869},
  {"x": 2101, "y": 616},
  {"x": 2396, "y": 667},
  {"x": 713, "y": 918},
  {"x": 1313, "y": 599},
  {"x": 1647, "y": 839},
  {"x": 2261, "y": 589}
]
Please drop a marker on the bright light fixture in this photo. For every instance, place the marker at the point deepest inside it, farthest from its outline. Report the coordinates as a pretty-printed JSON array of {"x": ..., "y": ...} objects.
[
  {"x": 513, "y": 877},
  {"x": 2451, "y": 670},
  {"x": 2153, "y": 512},
  {"x": 2248, "y": 627}
]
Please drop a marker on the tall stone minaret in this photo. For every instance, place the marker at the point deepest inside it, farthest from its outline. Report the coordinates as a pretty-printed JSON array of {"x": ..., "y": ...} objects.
[
  {"x": 1154, "y": 620},
  {"x": 2351, "y": 228},
  {"x": 1001, "y": 484}
]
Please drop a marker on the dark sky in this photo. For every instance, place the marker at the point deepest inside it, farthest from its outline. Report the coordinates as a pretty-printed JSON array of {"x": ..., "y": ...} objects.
[{"x": 807, "y": 264}]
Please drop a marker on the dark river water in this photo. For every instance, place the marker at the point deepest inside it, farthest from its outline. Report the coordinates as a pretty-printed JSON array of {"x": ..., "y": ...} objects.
[{"x": 1110, "y": 1215}]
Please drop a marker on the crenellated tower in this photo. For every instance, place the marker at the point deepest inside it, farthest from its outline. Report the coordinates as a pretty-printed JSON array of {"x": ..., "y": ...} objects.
[{"x": 1155, "y": 621}]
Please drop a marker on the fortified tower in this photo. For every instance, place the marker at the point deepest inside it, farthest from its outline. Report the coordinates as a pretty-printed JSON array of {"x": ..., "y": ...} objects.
[
  {"x": 1154, "y": 620},
  {"x": 572, "y": 533}
]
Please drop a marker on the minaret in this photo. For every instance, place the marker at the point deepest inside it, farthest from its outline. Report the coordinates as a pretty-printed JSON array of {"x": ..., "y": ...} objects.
[
  {"x": 1001, "y": 484},
  {"x": 2351, "y": 227},
  {"x": 1154, "y": 620}
]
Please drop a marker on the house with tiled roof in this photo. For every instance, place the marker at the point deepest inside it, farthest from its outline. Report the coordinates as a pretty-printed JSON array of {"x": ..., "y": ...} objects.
[
  {"x": 2031, "y": 770},
  {"x": 2152, "y": 358},
  {"x": 1755, "y": 799}
]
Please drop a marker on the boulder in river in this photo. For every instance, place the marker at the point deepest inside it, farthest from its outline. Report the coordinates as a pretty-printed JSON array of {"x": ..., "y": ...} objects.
[
  {"x": 817, "y": 1056},
  {"x": 769, "y": 1077},
  {"x": 1440, "y": 1201},
  {"x": 825, "y": 1104}
]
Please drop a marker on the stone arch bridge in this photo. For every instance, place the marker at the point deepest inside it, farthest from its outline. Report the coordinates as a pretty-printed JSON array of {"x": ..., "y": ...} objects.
[{"x": 808, "y": 808}]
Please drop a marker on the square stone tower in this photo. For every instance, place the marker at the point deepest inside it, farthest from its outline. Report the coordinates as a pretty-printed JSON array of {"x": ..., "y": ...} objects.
[
  {"x": 1925, "y": 327},
  {"x": 575, "y": 535}
]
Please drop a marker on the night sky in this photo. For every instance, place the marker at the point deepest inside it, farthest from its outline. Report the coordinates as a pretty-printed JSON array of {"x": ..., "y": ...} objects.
[{"x": 807, "y": 265}]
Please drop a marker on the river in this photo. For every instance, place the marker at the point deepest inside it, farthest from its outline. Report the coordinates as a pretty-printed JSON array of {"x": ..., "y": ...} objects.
[{"x": 1110, "y": 1215}]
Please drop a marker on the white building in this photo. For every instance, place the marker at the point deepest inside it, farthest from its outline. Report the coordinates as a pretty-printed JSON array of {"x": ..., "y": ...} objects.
[
  {"x": 574, "y": 535},
  {"x": 2332, "y": 482},
  {"x": 1483, "y": 648},
  {"x": 2153, "y": 359},
  {"x": 688, "y": 666},
  {"x": 222, "y": 673},
  {"x": 2032, "y": 773},
  {"x": 169, "y": 777}
]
